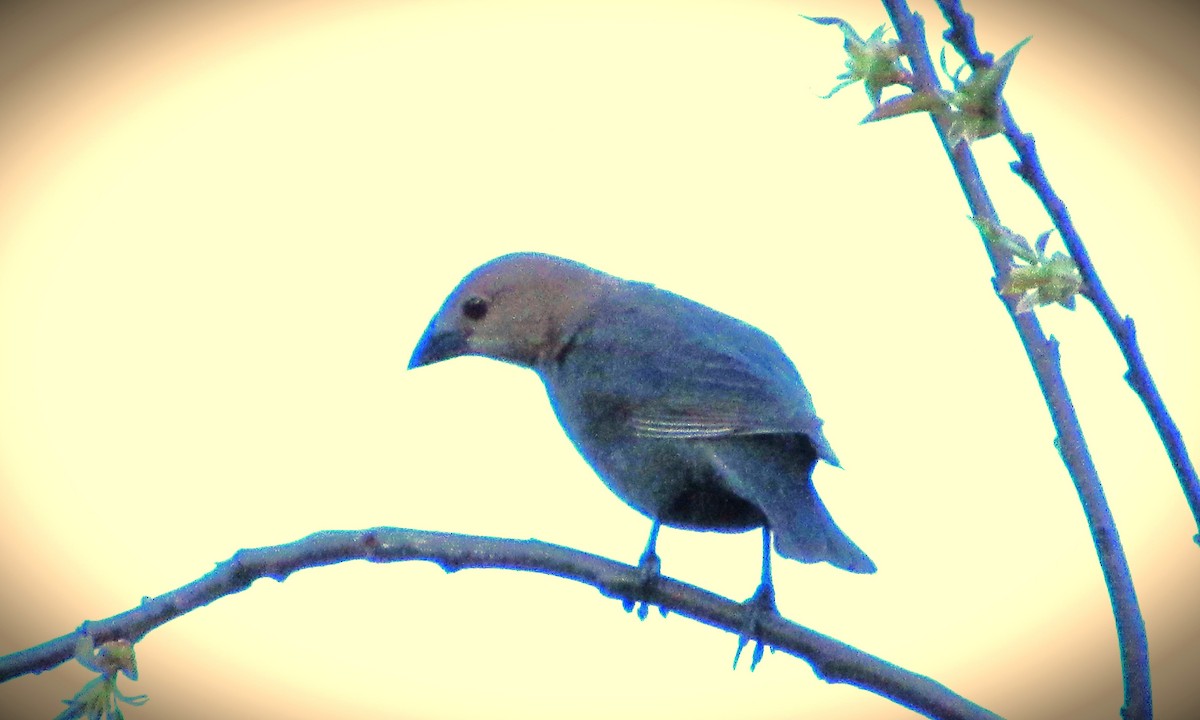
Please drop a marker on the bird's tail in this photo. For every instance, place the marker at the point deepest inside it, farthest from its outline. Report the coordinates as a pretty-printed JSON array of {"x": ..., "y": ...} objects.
[
  {"x": 812, "y": 536},
  {"x": 775, "y": 473}
]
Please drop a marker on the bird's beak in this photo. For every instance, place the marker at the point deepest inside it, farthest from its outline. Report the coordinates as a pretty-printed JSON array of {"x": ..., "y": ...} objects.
[{"x": 436, "y": 345}]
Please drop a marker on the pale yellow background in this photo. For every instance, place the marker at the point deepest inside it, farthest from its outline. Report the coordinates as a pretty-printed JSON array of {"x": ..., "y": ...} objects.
[{"x": 224, "y": 225}]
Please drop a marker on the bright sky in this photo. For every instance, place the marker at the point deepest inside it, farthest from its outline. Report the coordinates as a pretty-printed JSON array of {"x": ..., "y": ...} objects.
[{"x": 223, "y": 226}]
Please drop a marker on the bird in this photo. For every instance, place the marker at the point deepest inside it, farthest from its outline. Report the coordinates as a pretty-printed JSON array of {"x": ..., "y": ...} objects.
[{"x": 692, "y": 417}]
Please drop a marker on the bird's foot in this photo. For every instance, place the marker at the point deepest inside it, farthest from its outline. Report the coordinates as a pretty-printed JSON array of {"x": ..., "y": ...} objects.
[
  {"x": 648, "y": 572},
  {"x": 761, "y": 604}
]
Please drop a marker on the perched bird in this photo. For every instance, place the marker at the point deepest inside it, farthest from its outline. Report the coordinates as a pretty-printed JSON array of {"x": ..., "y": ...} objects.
[{"x": 695, "y": 419}]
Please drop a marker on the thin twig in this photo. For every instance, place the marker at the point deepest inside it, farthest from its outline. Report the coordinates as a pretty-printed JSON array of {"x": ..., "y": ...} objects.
[
  {"x": 831, "y": 660},
  {"x": 1043, "y": 355},
  {"x": 1028, "y": 166}
]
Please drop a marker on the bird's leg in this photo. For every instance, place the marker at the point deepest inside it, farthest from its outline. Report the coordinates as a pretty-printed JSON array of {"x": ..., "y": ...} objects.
[
  {"x": 764, "y": 596},
  {"x": 649, "y": 563},
  {"x": 648, "y": 567},
  {"x": 761, "y": 603}
]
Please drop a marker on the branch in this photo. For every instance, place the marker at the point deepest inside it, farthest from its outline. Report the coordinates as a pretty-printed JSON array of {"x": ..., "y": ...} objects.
[
  {"x": 831, "y": 660},
  {"x": 1028, "y": 167},
  {"x": 1043, "y": 355}
]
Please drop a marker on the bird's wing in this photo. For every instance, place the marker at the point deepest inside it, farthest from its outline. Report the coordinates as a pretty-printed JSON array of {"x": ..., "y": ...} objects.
[
  {"x": 704, "y": 393},
  {"x": 678, "y": 369}
]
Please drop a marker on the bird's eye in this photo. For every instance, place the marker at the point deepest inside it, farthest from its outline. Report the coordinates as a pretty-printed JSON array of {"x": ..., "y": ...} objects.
[{"x": 475, "y": 308}]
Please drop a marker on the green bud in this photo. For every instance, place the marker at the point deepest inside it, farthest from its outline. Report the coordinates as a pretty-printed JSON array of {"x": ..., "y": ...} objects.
[{"x": 875, "y": 62}]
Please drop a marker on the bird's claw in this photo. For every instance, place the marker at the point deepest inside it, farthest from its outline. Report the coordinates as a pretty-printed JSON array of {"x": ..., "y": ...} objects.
[
  {"x": 649, "y": 565},
  {"x": 648, "y": 571},
  {"x": 760, "y": 604}
]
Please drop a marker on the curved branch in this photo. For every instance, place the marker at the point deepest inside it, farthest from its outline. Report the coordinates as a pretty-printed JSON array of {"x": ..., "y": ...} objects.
[
  {"x": 1043, "y": 356},
  {"x": 1028, "y": 167},
  {"x": 831, "y": 660}
]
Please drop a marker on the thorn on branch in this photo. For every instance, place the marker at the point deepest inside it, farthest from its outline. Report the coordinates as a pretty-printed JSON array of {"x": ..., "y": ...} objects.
[
  {"x": 1129, "y": 328},
  {"x": 961, "y": 34},
  {"x": 1052, "y": 351},
  {"x": 240, "y": 576},
  {"x": 1130, "y": 333}
]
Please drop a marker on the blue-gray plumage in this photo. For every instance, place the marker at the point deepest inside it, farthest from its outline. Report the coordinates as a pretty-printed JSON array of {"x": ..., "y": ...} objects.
[{"x": 694, "y": 418}]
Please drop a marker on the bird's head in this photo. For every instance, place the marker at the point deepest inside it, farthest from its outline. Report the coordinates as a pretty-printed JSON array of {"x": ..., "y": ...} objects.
[{"x": 519, "y": 308}]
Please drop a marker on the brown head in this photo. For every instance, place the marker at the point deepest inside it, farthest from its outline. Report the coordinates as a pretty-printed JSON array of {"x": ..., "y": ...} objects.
[{"x": 519, "y": 308}]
